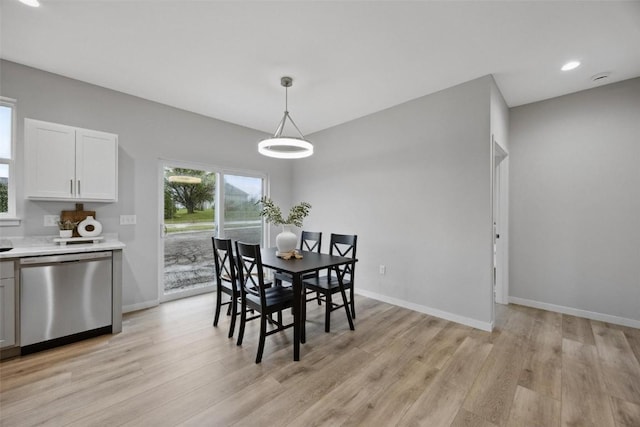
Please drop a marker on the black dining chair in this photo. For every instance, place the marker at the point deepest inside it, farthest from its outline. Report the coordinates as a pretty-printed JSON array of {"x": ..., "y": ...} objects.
[
  {"x": 325, "y": 286},
  {"x": 256, "y": 294},
  {"x": 226, "y": 279},
  {"x": 311, "y": 241}
]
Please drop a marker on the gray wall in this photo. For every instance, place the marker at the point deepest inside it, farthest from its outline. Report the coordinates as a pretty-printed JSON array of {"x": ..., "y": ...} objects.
[
  {"x": 413, "y": 182},
  {"x": 499, "y": 117},
  {"x": 147, "y": 132},
  {"x": 575, "y": 203}
]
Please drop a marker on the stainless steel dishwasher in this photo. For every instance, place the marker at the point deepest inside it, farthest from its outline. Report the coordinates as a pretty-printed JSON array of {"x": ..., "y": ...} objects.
[{"x": 64, "y": 298}]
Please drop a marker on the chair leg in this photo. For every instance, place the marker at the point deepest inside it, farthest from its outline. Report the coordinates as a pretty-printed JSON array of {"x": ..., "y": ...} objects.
[
  {"x": 218, "y": 304},
  {"x": 243, "y": 320},
  {"x": 353, "y": 304},
  {"x": 234, "y": 314},
  {"x": 279, "y": 317},
  {"x": 318, "y": 298},
  {"x": 263, "y": 334},
  {"x": 327, "y": 312},
  {"x": 229, "y": 308},
  {"x": 345, "y": 304}
]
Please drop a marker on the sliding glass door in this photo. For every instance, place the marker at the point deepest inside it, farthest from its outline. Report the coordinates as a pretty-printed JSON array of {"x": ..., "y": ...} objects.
[
  {"x": 242, "y": 219},
  {"x": 190, "y": 217}
]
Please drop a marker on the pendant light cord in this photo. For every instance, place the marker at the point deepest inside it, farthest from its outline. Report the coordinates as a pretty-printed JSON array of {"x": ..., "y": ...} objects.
[
  {"x": 286, "y": 99},
  {"x": 280, "y": 129}
]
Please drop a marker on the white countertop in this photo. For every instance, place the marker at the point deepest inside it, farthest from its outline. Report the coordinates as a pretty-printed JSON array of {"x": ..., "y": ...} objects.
[{"x": 44, "y": 245}]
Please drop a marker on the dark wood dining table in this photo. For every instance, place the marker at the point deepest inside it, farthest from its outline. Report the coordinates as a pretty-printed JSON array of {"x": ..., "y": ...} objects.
[{"x": 310, "y": 261}]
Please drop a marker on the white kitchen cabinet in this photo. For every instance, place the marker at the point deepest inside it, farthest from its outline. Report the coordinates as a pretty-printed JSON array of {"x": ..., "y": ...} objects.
[
  {"x": 67, "y": 163},
  {"x": 7, "y": 305}
]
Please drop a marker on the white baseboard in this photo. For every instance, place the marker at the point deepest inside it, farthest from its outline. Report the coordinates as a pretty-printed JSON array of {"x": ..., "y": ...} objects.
[
  {"x": 577, "y": 312},
  {"x": 485, "y": 326},
  {"x": 140, "y": 306}
]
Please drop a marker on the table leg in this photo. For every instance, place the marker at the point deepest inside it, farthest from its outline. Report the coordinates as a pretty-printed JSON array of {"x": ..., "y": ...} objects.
[
  {"x": 297, "y": 285},
  {"x": 303, "y": 313}
]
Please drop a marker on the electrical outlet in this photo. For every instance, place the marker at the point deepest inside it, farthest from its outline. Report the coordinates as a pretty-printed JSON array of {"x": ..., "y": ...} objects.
[
  {"x": 127, "y": 219},
  {"x": 51, "y": 220},
  {"x": 383, "y": 270}
]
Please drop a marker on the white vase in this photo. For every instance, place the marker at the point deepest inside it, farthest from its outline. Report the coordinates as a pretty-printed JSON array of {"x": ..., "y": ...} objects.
[
  {"x": 89, "y": 227},
  {"x": 286, "y": 240},
  {"x": 65, "y": 234}
]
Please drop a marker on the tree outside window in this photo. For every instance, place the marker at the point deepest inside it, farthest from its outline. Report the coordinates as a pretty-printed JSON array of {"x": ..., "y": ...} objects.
[{"x": 193, "y": 190}]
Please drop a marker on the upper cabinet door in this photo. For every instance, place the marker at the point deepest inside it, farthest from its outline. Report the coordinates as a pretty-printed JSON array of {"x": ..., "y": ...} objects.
[
  {"x": 96, "y": 165},
  {"x": 50, "y": 160},
  {"x": 68, "y": 163}
]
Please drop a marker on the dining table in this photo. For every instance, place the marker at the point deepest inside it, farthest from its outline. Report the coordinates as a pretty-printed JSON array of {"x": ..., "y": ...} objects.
[{"x": 297, "y": 267}]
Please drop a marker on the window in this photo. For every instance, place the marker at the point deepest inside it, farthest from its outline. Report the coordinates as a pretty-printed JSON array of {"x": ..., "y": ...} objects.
[
  {"x": 199, "y": 202},
  {"x": 7, "y": 157}
]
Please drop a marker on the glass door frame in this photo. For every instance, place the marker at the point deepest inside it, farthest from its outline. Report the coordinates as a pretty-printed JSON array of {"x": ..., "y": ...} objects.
[{"x": 218, "y": 220}]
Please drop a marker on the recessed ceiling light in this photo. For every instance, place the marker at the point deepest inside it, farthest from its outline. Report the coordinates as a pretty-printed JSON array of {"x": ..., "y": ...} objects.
[
  {"x": 32, "y": 3},
  {"x": 570, "y": 65}
]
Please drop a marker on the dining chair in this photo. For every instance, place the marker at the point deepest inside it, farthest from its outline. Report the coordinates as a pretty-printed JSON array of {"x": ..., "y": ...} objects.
[
  {"x": 256, "y": 294},
  {"x": 226, "y": 279},
  {"x": 311, "y": 241},
  {"x": 325, "y": 286}
]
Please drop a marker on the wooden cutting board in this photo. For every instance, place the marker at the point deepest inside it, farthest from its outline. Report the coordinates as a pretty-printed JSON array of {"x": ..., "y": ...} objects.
[{"x": 76, "y": 216}]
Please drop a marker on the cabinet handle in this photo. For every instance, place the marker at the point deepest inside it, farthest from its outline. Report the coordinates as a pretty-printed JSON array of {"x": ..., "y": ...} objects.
[
  {"x": 71, "y": 186},
  {"x": 78, "y": 187}
]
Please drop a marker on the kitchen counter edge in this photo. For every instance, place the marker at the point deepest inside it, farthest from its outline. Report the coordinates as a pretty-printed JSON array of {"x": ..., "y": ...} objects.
[{"x": 53, "y": 249}]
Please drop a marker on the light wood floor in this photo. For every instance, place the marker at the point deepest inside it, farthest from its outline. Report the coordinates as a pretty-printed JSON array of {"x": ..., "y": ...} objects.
[{"x": 169, "y": 366}]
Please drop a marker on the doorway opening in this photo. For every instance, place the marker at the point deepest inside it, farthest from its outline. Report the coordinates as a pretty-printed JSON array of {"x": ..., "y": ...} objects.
[{"x": 500, "y": 224}]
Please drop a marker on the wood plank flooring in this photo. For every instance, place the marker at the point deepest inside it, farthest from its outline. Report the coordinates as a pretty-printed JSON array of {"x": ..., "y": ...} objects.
[{"x": 170, "y": 367}]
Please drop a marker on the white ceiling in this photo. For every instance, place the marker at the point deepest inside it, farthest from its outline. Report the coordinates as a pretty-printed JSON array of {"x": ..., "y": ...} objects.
[{"x": 348, "y": 58}]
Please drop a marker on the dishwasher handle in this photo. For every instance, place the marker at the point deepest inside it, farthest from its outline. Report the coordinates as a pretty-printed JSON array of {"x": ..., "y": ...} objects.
[{"x": 59, "y": 259}]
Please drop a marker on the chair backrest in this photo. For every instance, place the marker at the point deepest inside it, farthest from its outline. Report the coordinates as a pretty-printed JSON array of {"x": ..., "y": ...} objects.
[
  {"x": 224, "y": 261},
  {"x": 250, "y": 271},
  {"x": 344, "y": 245},
  {"x": 311, "y": 241}
]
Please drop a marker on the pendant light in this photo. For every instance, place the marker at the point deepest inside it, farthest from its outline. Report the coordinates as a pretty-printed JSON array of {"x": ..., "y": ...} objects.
[{"x": 286, "y": 147}]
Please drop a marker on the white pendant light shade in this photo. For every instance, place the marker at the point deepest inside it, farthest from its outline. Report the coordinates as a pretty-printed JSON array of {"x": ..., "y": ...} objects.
[
  {"x": 183, "y": 179},
  {"x": 286, "y": 147}
]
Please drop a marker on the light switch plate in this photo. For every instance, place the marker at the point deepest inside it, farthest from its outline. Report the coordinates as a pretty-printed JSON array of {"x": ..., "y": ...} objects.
[
  {"x": 127, "y": 219},
  {"x": 51, "y": 220}
]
